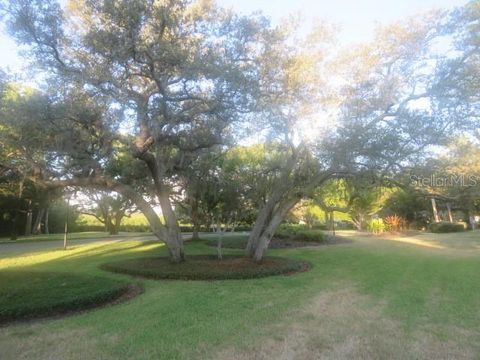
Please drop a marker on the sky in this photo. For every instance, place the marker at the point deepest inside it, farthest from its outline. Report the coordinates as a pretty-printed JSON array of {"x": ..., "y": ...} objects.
[{"x": 356, "y": 19}]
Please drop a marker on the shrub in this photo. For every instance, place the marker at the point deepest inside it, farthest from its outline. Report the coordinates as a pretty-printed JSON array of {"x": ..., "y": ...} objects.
[
  {"x": 447, "y": 227},
  {"x": 230, "y": 241},
  {"x": 299, "y": 233},
  {"x": 243, "y": 228},
  {"x": 85, "y": 228},
  {"x": 394, "y": 223},
  {"x": 376, "y": 226},
  {"x": 345, "y": 225},
  {"x": 310, "y": 235},
  {"x": 28, "y": 294},
  {"x": 134, "y": 228},
  {"x": 320, "y": 227}
]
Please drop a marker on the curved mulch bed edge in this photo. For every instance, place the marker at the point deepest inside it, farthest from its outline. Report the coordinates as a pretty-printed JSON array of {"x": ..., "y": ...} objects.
[
  {"x": 207, "y": 267},
  {"x": 129, "y": 292}
]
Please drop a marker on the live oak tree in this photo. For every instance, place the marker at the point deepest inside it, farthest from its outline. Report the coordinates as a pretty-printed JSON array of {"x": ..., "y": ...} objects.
[
  {"x": 457, "y": 83},
  {"x": 452, "y": 179},
  {"x": 391, "y": 103},
  {"x": 461, "y": 165},
  {"x": 110, "y": 207},
  {"x": 166, "y": 79},
  {"x": 296, "y": 88},
  {"x": 455, "y": 88},
  {"x": 107, "y": 208},
  {"x": 367, "y": 202},
  {"x": 199, "y": 182},
  {"x": 358, "y": 196},
  {"x": 24, "y": 154},
  {"x": 410, "y": 205},
  {"x": 222, "y": 188},
  {"x": 181, "y": 71}
]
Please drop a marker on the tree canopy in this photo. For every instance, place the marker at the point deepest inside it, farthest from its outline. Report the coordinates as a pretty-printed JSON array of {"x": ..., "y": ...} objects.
[{"x": 160, "y": 102}]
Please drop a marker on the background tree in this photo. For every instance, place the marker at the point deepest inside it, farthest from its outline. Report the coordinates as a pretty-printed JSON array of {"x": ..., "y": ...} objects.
[
  {"x": 413, "y": 207},
  {"x": 181, "y": 71},
  {"x": 108, "y": 208},
  {"x": 392, "y": 109},
  {"x": 223, "y": 186}
]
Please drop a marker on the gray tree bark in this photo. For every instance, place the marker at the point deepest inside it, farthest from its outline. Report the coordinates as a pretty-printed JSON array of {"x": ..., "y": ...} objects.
[
  {"x": 449, "y": 212},
  {"x": 28, "y": 224},
  {"x": 46, "y": 226},
  {"x": 37, "y": 225},
  {"x": 273, "y": 213},
  {"x": 267, "y": 223},
  {"x": 434, "y": 209}
]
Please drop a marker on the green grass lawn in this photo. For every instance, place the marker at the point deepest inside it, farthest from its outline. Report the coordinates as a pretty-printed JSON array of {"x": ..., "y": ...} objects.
[
  {"x": 413, "y": 297},
  {"x": 228, "y": 241},
  {"x": 71, "y": 236}
]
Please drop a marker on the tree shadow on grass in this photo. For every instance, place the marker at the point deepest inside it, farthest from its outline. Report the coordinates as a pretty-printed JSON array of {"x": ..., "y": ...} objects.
[{"x": 82, "y": 256}]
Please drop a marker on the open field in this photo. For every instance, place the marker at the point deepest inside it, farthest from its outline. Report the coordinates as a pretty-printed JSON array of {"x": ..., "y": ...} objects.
[{"x": 396, "y": 297}]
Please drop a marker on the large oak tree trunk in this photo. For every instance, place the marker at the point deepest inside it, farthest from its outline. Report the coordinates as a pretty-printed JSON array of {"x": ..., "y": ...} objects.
[
  {"x": 261, "y": 223},
  {"x": 112, "y": 229},
  {"x": 170, "y": 232},
  {"x": 449, "y": 212},
  {"x": 195, "y": 221},
  {"x": 196, "y": 231},
  {"x": 28, "y": 223},
  {"x": 15, "y": 222},
  {"x": 118, "y": 221},
  {"x": 274, "y": 212},
  {"x": 16, "y": 218},
  {"x": 37, "y": 225},
  {"x": 434, "y": 209},
  {"x": 46, "y": 226},
  {"x": 267, "y": 223},
  {"x": 174, "y": 236}
]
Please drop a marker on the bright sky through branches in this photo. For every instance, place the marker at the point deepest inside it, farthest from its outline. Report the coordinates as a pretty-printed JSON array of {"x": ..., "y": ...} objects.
[{"x": 357, "y": 19}]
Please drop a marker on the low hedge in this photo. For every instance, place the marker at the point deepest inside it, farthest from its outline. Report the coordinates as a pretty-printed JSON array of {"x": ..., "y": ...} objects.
[
  {"x": 229, "y": 241},
  {"x": 283, "y": 238},
  {"x": 376, "y": 226},
  {"x": 299, "y": 233},
  {"x": 25, "y": 295},
  {"x": 207, "y": 267},
  {"x": 447, "y": 227}
]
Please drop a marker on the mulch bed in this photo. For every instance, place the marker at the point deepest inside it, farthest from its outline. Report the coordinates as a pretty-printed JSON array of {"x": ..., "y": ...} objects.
[{"x": 207, "y": 267}]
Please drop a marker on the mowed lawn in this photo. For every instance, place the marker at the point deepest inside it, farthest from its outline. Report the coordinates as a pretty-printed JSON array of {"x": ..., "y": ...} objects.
[
  {"x": 71, "y": 236},
  {"x": 377, "y": 297}
]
